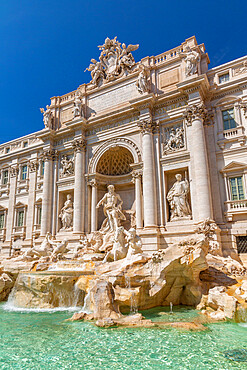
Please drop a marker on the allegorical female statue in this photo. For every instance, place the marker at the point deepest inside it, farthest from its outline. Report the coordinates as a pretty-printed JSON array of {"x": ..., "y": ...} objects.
[
  {"x": 178, "y": 199},
  {"x": 66, "y": 214}
]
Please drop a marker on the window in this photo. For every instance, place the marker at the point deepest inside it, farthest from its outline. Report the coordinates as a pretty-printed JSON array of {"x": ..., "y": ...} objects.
[
  {"x": 1, "y": 220},
  {"x": 241, "y": 244},
  {"x": 39, "y": 212},
  {"x": 228, "y": 119},
  {"x": 237, "y": 189},
  {"x": 224, "y": 78},
  {"x": 5, "y": 175},
  {"x": 42, "y": 168},
  {"x": 25, "y": 144},
  {"x": 20, "y": 218},
  {"x": 7, "y": 150},
  {"x": 24, "y": 172}
]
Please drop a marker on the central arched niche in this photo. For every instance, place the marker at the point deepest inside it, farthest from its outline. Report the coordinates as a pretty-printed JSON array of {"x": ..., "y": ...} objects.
[
  {"x": 115, "y": 161},
  {"x": 114, "y": 166}
]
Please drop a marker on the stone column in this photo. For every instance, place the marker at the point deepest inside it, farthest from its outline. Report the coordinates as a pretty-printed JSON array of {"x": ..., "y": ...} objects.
[
  {"x": 149, "y": 182},
  {"x": 195, "y": 116},
  {"x": 46, "y": 216},
  {"x": 33, "y": 166},
  {"x": 93, "y": 184},
  {"x": 79, "y": 190},
  {"x": 138, "y": 198}
]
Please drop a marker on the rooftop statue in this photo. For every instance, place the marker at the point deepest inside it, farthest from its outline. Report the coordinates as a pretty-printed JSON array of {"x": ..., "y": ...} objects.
[
  {"x": 47, "y": 117},
  {"x": 192, "y": 59},
  {"x": 115, "y": 60}
]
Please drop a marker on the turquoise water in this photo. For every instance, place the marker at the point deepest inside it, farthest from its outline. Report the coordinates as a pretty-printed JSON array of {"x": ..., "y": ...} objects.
[{"x": 43, "y": 340}]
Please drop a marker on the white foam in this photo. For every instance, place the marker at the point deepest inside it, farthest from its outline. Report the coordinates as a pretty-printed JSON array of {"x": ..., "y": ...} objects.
[
  {"x": 8, "y": 306},
  {"x": 243, "y": 324}
]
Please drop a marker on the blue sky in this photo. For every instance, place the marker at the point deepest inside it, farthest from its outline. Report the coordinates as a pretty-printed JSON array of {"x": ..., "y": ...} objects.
[{"x": 45, "y": 45}]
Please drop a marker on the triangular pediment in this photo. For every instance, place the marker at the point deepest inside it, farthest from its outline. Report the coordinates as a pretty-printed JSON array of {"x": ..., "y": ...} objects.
[
  {"x": 233, "y": 166},
  {"x": 19, "y": 204}
]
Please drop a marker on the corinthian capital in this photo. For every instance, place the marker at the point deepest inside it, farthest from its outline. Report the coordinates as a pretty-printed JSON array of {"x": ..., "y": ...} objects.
[
  {"x": 147, "y": 126},
  {"x": 195, "y": 111},
  {"x": 14, "y": 171},
  {"x": 33, "y": 165},
  {"x": 136, "y": 174},
  {"x": 50, "y": 155},
  {"x": 79, "y": 145}
]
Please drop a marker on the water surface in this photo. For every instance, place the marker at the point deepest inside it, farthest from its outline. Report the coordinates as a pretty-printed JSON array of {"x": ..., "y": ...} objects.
[{"x": 43, "y": 340}]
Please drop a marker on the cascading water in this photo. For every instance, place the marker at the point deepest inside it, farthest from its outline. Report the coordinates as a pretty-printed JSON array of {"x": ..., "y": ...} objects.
[
  {"x": 86, "y": 306},
  {"x": 45, "y": 291},
  {"x": 133, "y": 303}
]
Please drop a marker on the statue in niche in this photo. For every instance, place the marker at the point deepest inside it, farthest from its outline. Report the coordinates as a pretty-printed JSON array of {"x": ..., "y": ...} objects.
[
  {"x": 178, "y": 199},
  {"x": 192, "y": 58},
  {"x": 47, "y": 117},
  {"x": 77, "y": 110},
  {"x": 67, "y": 166},
  {"x": 112, "y": 210},
  {"x": 142, "y": 82},
  {"x": 66, "y": 214}
]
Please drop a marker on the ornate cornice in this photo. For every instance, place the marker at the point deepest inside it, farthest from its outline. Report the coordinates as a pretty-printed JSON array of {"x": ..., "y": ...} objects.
[
  {"x": 79, "y": 145},
  {"x": 197, "y": 112},
  {"x": 50, "y": 155},
  {"x": 147, "y": 126}
]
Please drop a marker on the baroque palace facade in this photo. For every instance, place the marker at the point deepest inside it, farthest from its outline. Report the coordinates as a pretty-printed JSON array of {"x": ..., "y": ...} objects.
[{"x": 167, "y": 132}]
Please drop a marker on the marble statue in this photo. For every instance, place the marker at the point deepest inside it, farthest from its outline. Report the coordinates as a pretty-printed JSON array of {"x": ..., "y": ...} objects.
[
  {"x": 120, "y": 248},
  {"x": 66, "y": 214},
  {"x": 192, "y": 58},
  {"x": 77, "y": 110},
  {"x": 115, "y": 60},
  {"x": 59, "y": 248},
  {"x": 134, "y": 243},
  {"x": 178, "y": 199},
  {"x": 97, "y": 73},
  {"x": 175, "y": 140},
  {"x": 142, "y": 82},
  {"x": 112, "y": 210},
  {"x": 47, "y": 117},
  {"x": 67, "y": 166}
]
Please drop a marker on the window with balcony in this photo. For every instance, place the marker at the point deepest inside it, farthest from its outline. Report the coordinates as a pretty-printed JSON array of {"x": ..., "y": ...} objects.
[
  {"x": 1, "y": 220},
  {"x": 24, "y": 172},
  {"x": 237, "y": 189},
  {"x": 228, "y": 119},
  {"x": 20, "y": 218},
  {"x": 224, "y": 78},
  {"x": 5, "y": 175}
]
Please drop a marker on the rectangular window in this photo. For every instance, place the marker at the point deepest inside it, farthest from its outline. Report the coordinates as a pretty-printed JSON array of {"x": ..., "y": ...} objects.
[
  {"x": 42, "y": 168},
  {"x": 20, "y": 218},
  {"x": 241, "y": 244},
  {"x": 24, "y": 172},
  {"x": 25, "y": 144},
  {"x": 224, "y": 78},
  {"x": 228, "y": 119},
  {"x": 39, "y": 212},
  {"x": 1, "y": 220},
  {"x": 5, "y": 176},
  {"x": 7, "y": 150},
  {"x": 237, "y": 189}
]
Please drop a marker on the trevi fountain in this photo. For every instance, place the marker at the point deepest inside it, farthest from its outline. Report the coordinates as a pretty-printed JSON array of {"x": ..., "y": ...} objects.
[{"x": 111, "y": 260}]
